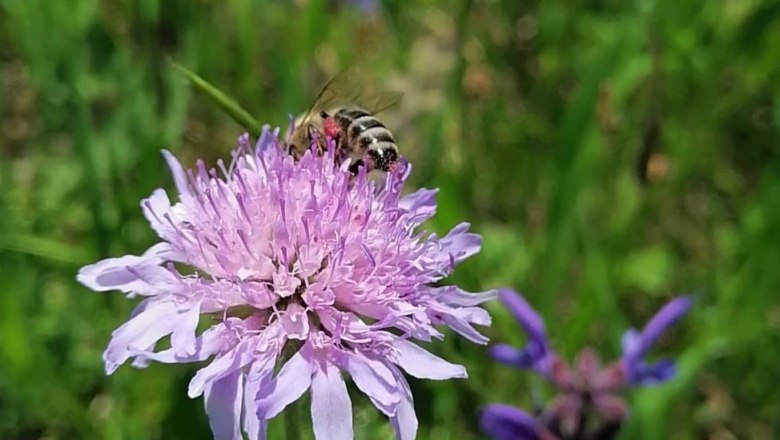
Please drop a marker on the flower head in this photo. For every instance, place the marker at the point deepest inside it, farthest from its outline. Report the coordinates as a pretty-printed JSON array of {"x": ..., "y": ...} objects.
[
  {"x": 300, "y": 254},
  {"x": 588, "y": 404}
]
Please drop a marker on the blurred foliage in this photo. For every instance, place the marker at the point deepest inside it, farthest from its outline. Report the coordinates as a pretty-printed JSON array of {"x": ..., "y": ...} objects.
[{"x": 613, "y": 154}]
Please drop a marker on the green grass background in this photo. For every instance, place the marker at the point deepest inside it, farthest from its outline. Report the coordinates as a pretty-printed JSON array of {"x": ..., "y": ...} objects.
[{"x": 613, "y": 155}]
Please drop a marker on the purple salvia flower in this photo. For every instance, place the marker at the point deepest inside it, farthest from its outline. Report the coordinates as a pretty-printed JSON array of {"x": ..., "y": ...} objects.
[
  {"x": 300, "y": 254},
  {"x": 588, "y": 404}
]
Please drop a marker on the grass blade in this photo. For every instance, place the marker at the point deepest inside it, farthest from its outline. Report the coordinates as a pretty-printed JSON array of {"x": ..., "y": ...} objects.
[{"x": 228, "y": 104}]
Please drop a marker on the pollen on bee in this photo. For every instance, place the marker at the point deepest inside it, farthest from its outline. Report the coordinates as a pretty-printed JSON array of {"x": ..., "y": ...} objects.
[{"x": 331, "y": 128}]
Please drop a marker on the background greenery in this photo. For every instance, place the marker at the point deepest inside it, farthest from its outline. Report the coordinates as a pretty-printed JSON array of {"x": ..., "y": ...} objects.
[{"x": 613, "y": 154}]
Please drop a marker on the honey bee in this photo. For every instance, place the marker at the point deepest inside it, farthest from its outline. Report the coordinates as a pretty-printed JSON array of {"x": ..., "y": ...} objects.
[{"x": 344, "y": 110}]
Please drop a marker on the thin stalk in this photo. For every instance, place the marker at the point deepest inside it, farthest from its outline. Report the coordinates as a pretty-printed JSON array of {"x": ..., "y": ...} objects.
[{"x": 228, "y": 104}]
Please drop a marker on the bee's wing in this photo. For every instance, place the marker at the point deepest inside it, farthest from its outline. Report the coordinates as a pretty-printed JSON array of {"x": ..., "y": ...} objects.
[
  {"x": 351, "y": 87},
  {"x": 341, "y": 89},
  {"x": 376, "y": 101}
]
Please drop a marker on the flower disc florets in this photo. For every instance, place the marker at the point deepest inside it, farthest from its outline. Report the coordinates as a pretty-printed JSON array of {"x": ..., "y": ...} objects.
[{"x": 302, "y": 254}]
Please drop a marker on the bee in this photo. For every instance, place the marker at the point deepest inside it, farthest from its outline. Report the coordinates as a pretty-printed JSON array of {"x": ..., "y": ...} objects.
[{"x": 345, "y": 110}]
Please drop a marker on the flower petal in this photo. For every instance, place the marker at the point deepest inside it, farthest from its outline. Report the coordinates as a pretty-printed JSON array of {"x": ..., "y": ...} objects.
[
  {"x": 139, "y": 333},
  {"x": 635, "y": 345},
  {"x": 179, "y": 176},
  {"x": 130, "y": 274},
  {"x": 512, "y": 356},
  {"x": 461, "y": 244},
  {"x": 220, "y": 367},
  {"x": 384, "y": 395},
  {"x": 183, "y": 338},
  {"x": 653, "y": 374},
  {"x": 421, "y": 203},
  {"x": 223, "y": 399},
  {"x": 405, "y": 420},
  {"x": 668, "y": 315},
  {"x": 455, "y": 296},
  {"x": 424, "y": 365},
  {"x": 460, "y": 321},
  {"x": 528, "y": 318},
  {"x": 331, "y": 408},
  {"x": 254, "y": 426},
  {"x": 504, "y": 422},
  {"x": 207, "y": 344},
  {"x": 289, "y": 385}
]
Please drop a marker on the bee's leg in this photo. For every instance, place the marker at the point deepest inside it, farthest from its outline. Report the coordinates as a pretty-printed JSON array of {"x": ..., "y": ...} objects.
[
  {"x": 292, "y": 151},
  {"x": 354, "y": 167}
]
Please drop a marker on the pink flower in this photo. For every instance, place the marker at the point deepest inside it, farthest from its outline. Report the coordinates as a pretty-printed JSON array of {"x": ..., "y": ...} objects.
[{"x": 299, "y": 255}]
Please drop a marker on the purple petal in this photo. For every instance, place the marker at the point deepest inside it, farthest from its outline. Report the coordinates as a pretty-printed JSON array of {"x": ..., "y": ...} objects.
[
  {"x": 267, "y": 139},
  {"x": 365, "y": 373},
  {"x": 668, "y": 315},
  {"x": 220, "y": 367},
  {"x": 154, "y": 208},
  {"x": 139, "y": 333},
  {"x": 509, "y": 355},
  {"x": 254, "y": 427},
  {"x": 289, "y": 385},
  {"x": 460, "y": 321},
  {"x": 295, "y": 322},
  {"x": 653, "y": 374},
  {"x": 183, "y": 338},
  {"x": 421, "y": 203},
  {"x": 528, "y": 318},
  {"x": 331, "y": 408},
  {"x": 504, "y": 422},
  {"x": 179, "y": 176},
  {"x": 130, "y": 274},
  {"x": 455, "y": 296},
  {"x": 212, "y": 340},
  {"x": 424, "y": 365},
  {"x": 223, "y": 406},
  {"x": 635, "y": 345},
  {"x": 630, "y": 343},
  {"x": 405, "y": 420},
  {"x": 461, "y": 244}
]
